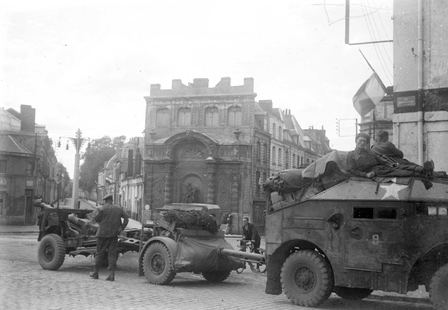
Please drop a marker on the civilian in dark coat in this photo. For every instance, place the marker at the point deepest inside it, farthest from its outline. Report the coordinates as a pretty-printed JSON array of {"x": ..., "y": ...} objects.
[{"x": 251, "y": 233}]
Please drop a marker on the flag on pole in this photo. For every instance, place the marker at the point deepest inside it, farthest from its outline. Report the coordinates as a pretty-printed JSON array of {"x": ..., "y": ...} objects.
[{"x": 370, "y": 94}]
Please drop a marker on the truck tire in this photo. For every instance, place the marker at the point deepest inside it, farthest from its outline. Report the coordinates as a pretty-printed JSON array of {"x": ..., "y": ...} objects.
[
  {"x": 438, "y": 288},
  {"x": 307, "y": 278},
  {"x": 51, "y": 252},
  {"x": 216, "y": 276},
  {"x": 157, "y": 264},
  {"x": 352, "y": 293}
]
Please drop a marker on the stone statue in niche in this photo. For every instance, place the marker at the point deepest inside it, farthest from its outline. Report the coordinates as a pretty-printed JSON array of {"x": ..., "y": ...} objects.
[
  {"x": 168, "y": 154},
  {"x": 189, "y": 194}
]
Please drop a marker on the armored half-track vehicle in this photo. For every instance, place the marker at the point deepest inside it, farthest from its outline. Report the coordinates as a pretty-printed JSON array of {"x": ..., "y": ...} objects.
[{"x": 358, "y": 235}]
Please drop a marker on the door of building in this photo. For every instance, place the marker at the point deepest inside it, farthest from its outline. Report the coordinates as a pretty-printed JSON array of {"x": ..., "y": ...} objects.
[{"x": 29, "y": 212}]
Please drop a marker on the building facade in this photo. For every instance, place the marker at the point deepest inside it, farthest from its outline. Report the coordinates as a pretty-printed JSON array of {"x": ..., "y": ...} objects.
[
  {"x": 420, "y": 120},
  {"x": 216, "y": 145},
  {"x": 27, "y": 166}
]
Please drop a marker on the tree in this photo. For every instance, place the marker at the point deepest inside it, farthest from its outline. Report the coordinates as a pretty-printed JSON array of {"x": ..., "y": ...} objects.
[{"x": 100, "y": 151}]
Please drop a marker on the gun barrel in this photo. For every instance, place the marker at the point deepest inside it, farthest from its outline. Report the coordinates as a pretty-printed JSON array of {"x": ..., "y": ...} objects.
[{"x": 244, "y": 255}]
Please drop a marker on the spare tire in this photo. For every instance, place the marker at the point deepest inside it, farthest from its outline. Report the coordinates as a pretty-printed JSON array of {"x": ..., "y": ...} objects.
[{"x": 51, "y": 252}]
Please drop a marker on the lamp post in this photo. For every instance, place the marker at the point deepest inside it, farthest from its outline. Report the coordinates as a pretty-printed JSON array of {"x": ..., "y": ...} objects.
[{"x": 77, "y": 141}]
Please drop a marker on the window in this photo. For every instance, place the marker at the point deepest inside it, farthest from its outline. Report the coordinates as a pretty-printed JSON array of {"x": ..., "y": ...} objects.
[
  {"x": 163, "y": 118},
  {"x": 363, "y": 213},
  {"x": 211, "y": 116},
  {"x": 265, "y": 149},
  {"x": 294, "y": 160},
  {"x": 273, "y": 155},
  {"x": 279, "y": 132},
  {"x": 258, "y": 150},
  {"x": 279, "y": 157},
  {"x": 273, "y": 131},
  {"x": 2, "y": 203},
  {"x": 2, "y": 166},
  {"x": 377, "y": 213},
  {"x": 234, "y": 116},
  {"x": 257, "y": 183},
  {"x": 184, "y": 117}
]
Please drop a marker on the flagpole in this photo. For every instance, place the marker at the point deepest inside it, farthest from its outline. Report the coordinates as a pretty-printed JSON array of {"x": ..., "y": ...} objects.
[{"x": 367, "y": 61}]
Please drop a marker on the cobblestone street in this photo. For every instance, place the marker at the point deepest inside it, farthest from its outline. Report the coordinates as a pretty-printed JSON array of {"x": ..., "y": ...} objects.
[{"x": 25, "y": 285}]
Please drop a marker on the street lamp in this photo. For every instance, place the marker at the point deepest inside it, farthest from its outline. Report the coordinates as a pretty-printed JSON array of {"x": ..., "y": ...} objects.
[{"x": 77, "y": 142}]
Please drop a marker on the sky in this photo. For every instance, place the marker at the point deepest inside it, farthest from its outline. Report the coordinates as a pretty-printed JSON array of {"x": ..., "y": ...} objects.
[{"x": 88, "y": 64}]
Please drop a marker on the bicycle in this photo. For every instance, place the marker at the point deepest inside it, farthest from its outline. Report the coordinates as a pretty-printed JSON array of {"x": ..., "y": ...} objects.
[{"x": 257, "y": 266}]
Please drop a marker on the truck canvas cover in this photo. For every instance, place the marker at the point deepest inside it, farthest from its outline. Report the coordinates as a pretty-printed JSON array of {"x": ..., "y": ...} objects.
[{"x": 296, "y": 185}]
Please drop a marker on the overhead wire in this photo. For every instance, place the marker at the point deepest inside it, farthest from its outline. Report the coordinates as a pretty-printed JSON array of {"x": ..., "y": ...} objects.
[{"x": 371, "y": 27}]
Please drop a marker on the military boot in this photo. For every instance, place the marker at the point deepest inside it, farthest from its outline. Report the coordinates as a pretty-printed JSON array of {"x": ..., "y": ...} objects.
[
  {"x": 94, "y": 273},
  {"x": 111, "y": 276}
]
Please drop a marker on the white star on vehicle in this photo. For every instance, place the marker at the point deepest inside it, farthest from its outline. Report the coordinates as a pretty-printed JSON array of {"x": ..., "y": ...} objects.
[{"x": 392, "y": 190}]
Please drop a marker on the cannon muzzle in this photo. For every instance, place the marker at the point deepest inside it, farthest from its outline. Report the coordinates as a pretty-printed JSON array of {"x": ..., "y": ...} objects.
[{"x": 245, "y": 256}]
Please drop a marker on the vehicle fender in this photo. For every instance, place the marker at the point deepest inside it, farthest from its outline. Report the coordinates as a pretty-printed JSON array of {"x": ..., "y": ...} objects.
[{"x": 170, "y": 244}]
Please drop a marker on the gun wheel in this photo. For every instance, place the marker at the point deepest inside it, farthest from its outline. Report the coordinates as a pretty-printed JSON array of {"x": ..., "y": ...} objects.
[
  {"x": 157, "y": 264},
  {"x": 51, "y": 252}
]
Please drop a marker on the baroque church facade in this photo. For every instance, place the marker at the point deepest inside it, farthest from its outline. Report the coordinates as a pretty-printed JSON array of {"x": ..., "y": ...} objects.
[{"x": 212, "y": 145}]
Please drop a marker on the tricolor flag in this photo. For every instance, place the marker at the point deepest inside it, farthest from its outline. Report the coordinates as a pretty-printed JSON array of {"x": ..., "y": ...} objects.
[{"x": 370, "y": 94}]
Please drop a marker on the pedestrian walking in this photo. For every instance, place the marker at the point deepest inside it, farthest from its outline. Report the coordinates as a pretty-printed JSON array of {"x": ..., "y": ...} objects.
[
  {"x": 110, "y": 226},
  {"x": 229, "y": 223}
]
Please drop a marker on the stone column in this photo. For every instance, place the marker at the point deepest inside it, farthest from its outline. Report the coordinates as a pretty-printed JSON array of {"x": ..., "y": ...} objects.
[
  {"x": 211, "y": 180},
  {"x": 168, "y": 184}
]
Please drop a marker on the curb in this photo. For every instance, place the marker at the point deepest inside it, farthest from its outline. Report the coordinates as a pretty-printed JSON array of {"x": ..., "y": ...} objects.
[
  {"x": 18, "y": 232},
  {"x": 403, "y": 298}
]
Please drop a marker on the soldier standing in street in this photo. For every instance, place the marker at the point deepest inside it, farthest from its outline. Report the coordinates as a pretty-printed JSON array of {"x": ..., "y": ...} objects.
[{"x": 110, "y": 226}]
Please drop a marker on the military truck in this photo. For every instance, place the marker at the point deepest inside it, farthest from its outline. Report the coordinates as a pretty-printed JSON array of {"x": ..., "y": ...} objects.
[{"x": 352, "y": 235}]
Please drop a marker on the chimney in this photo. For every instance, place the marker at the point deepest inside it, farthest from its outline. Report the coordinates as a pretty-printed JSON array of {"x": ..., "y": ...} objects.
[
  {"x": 138, "y": 162},
  {"x": 225, "y": 82},
  {"x": 176, "y": 84},
  {"x": 200, "y": 83},
  {"x": 249, "y": 84},
  {"x": 130, "y": 162},
  {"x": 27, "y": 117}
]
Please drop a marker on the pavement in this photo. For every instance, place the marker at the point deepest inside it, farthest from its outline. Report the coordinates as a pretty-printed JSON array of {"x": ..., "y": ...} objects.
[{"x": 418, "y": 296}]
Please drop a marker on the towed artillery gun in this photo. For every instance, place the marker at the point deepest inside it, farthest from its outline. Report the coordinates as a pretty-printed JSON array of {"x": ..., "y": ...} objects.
[
  {"x": 69, "y": 232},
  {"x": 350, "y": 235},
  {"x": 187, "y": 239},
  {"x": 174, "y": 243}
]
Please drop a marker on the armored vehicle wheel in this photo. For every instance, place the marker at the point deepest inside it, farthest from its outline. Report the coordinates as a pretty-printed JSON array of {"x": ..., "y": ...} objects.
[
  {"x": 352, "y": 293},
  {"x": 438, "y": 288},
  {"x": 51, "y": 252},
  {"x": 216, "y": 276},
  {"x": 157, "y": 264},
  {"x": 307, "y": 278}
]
